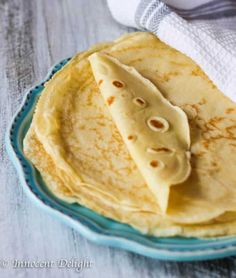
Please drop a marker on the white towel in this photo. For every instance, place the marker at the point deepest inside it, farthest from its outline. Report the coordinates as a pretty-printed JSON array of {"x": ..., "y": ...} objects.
[{"x": 203, "y": 30}]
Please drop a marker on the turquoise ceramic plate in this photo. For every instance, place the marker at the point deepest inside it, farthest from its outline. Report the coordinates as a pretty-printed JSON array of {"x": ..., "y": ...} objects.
[{"x": 91, "y": 225}]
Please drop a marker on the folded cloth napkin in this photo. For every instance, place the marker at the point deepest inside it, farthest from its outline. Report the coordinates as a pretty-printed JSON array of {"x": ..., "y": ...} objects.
[{"x": 203, "y": 30}]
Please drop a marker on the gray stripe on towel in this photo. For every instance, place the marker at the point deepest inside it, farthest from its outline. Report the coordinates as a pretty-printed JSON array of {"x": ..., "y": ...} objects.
[
  {"x": 145, "y": 11},
  {"x": 215, "y": 8}
]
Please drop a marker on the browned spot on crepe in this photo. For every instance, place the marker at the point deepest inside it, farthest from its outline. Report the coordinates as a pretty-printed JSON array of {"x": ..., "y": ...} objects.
[
  {"x": 154, "y": 163},
  {"x": 100, "y": 82},
  {"x": 110, "y": 100}
]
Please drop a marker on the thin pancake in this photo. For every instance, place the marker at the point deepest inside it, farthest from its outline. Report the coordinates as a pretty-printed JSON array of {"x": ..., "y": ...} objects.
[
  {"x": 86, "y": 148},
  {"x": 145, "y": 222},
  {"x": 155, "y": 132}
]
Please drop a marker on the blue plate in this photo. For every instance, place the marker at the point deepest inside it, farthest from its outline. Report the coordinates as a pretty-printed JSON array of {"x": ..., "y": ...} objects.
[{"x": 93, "y": 226}]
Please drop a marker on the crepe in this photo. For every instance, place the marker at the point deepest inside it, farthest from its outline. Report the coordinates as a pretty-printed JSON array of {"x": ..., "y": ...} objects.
[
  {"x": 145, "y": 222},
  {"x": 76, "y": 146},
  {"x": 155, "y": 132}
]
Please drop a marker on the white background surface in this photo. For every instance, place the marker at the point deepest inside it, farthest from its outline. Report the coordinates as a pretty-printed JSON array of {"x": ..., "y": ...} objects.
[{"x": 34, "y": 34}]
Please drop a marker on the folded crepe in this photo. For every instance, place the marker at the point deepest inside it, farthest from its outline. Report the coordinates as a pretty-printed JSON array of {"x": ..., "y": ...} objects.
[
  {"x": 155, "y": 132},
  {"x": 82, "y": 156}
]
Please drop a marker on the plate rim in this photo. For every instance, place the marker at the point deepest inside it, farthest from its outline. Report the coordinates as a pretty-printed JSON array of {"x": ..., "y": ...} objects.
[{"x": 214, "y": 252}]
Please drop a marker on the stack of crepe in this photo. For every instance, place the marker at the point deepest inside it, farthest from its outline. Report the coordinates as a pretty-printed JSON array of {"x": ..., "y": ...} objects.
[{"x": 135, "y": 131}]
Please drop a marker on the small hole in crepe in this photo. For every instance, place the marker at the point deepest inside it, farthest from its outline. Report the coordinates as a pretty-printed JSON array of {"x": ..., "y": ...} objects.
[
  {"x": 118, "y": 84},
  {"x": 158, "y": 124},
  {"x": 139, "y": 102},
  {"x": 159, "y": 150}
]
